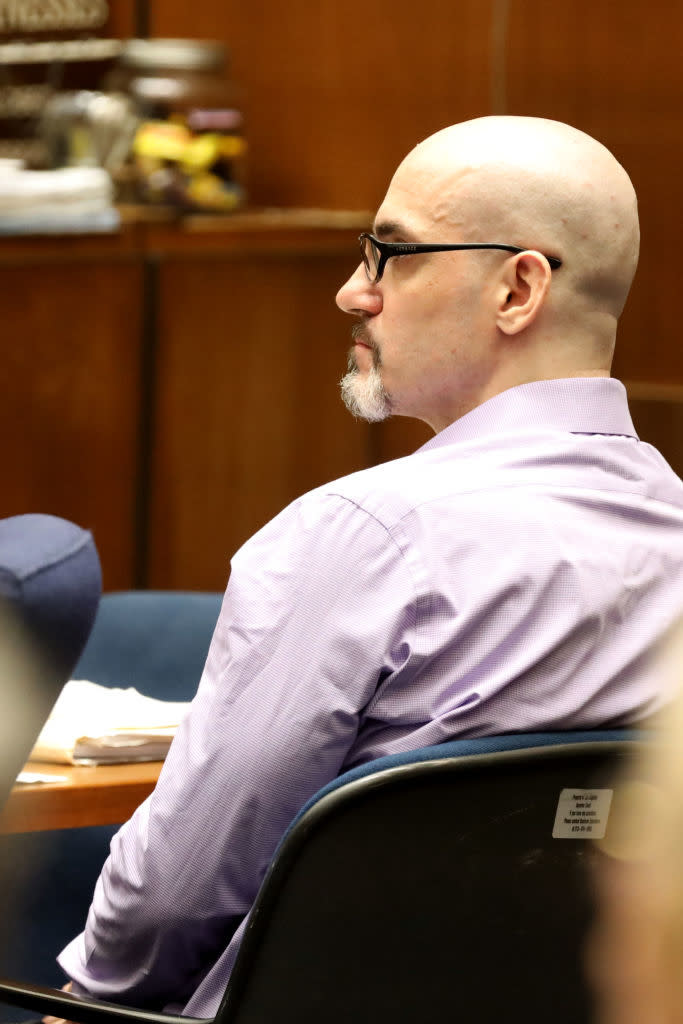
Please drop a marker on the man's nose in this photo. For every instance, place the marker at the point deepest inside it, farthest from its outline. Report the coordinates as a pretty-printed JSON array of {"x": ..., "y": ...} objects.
[{"x": 359, "y": 295}]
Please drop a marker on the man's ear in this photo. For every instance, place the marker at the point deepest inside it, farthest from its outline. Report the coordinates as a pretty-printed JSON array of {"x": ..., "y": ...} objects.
[{"x": 522, "y": 291}]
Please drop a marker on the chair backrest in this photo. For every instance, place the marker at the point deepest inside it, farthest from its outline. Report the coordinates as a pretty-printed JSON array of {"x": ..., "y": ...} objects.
[
  {"x": 431, "y": 886},
  {"x": 156, "y": 641},
  {"x": 50, "y": 585}
]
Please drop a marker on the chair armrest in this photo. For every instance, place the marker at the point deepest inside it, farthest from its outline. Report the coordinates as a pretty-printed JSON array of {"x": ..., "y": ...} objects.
[{"x": 81, "y": 1009}]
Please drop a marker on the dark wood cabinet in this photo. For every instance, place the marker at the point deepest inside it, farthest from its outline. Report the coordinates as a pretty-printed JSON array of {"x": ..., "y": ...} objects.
[
  {"x": 247, "y": 413},
  {"x": 70, "y": 409}
]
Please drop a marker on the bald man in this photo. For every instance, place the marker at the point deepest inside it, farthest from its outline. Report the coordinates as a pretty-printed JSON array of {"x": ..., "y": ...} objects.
[
  {"x": 511, "y": 575},
  {"x": 439, "y": 334}
]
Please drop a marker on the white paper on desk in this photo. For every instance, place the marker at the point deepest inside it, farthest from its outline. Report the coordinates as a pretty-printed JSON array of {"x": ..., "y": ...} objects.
[
  {"x": 107, "y": 725},
  {"x": 31, "y": 778}
]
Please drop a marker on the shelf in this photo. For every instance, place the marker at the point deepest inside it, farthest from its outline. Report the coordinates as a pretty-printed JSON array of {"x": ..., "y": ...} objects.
[
  {"x": 160, "y": 231},
  {"x": 262, "y": 230}
]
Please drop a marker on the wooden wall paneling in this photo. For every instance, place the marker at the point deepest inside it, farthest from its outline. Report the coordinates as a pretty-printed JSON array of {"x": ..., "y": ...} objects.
[
  {"x": 397, "y": 437},
  {"x": 123, "y": 18},
  {"x": 248, "y": 415},
  {"x": 618, "y": 76},
  {"x": 69, "y": 414},
  {"x": 659, "y": 421},
  {"x": 648, "y": 341},
  {"x": 337, "y": 93}
]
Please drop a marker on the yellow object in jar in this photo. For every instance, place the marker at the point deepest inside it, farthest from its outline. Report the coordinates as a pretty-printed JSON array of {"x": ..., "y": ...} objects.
[{"x": 208, "y": 191}]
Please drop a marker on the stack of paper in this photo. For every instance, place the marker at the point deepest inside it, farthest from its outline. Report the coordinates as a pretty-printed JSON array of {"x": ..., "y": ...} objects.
[
  {"x": 99, "y": 725},
  {"x": 68, "y": 200}
]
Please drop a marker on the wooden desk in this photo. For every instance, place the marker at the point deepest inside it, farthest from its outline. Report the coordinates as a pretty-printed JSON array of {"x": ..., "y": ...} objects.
[{"x": 91, "y": 795}]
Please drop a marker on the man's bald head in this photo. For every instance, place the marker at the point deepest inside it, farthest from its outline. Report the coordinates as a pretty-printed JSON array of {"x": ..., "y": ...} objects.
[
  {"x": 539, "y": 184},
  {"x": 439, "y": 333}
]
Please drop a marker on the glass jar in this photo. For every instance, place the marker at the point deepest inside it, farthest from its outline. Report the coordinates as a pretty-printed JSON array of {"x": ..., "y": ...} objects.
[
  {"x": 46, "y": 48},
  {"x": 32, "y": 74},
  {"x": 189, "y": 149}
]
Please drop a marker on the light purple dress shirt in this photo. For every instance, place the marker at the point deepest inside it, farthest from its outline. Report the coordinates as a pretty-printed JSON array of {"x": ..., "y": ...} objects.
[{"x": 509, "y": 576}]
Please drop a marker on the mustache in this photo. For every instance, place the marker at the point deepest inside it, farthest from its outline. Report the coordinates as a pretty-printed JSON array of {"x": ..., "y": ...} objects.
[{"x": 360, "y": 332}]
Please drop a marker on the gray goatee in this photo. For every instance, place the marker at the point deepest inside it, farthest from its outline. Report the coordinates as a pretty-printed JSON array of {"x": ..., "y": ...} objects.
[{"x": 364, "y": 394}]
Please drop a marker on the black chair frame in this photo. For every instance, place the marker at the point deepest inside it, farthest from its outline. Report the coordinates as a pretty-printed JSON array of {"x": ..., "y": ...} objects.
[{"x": 405, "y": 892}]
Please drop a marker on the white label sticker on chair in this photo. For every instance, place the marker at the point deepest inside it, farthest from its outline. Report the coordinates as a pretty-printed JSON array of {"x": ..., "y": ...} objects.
[{"x": 582, "y": 813}]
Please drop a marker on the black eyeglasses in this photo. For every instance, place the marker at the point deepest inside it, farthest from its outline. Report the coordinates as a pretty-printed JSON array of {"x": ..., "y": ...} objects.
[{"x": 376, "y": 253}]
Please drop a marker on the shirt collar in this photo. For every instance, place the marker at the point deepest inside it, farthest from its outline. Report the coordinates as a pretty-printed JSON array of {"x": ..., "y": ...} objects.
[{"x": 580, "y": 405}]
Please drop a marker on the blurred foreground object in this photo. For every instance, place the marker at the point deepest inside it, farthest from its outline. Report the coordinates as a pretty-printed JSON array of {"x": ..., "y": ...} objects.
[
  {"x": 189, "y": 149},
  {"x": 635, "y": 957},
  {"x": 50, "y": 585}
]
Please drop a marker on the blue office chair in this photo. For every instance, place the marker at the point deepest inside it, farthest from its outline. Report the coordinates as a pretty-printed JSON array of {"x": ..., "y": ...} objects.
[
  {"x": 50, "y": 585},
  {"x": 451, "y": 882},
  {"x": 154, "y": 640},
  {"x": 157, "y": 642}
]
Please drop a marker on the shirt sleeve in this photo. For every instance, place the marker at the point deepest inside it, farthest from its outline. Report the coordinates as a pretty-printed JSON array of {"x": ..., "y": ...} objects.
[{"x": 318, "y": 610}]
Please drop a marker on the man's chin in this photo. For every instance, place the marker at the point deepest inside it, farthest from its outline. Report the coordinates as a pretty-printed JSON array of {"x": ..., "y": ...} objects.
[{"x": 364, "y": 396}]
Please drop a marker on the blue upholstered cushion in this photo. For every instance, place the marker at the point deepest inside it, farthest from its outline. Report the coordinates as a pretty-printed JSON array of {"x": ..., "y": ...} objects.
[
  {"x": 156, "y": 641},
  {"x": 50, "y": 573}
]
